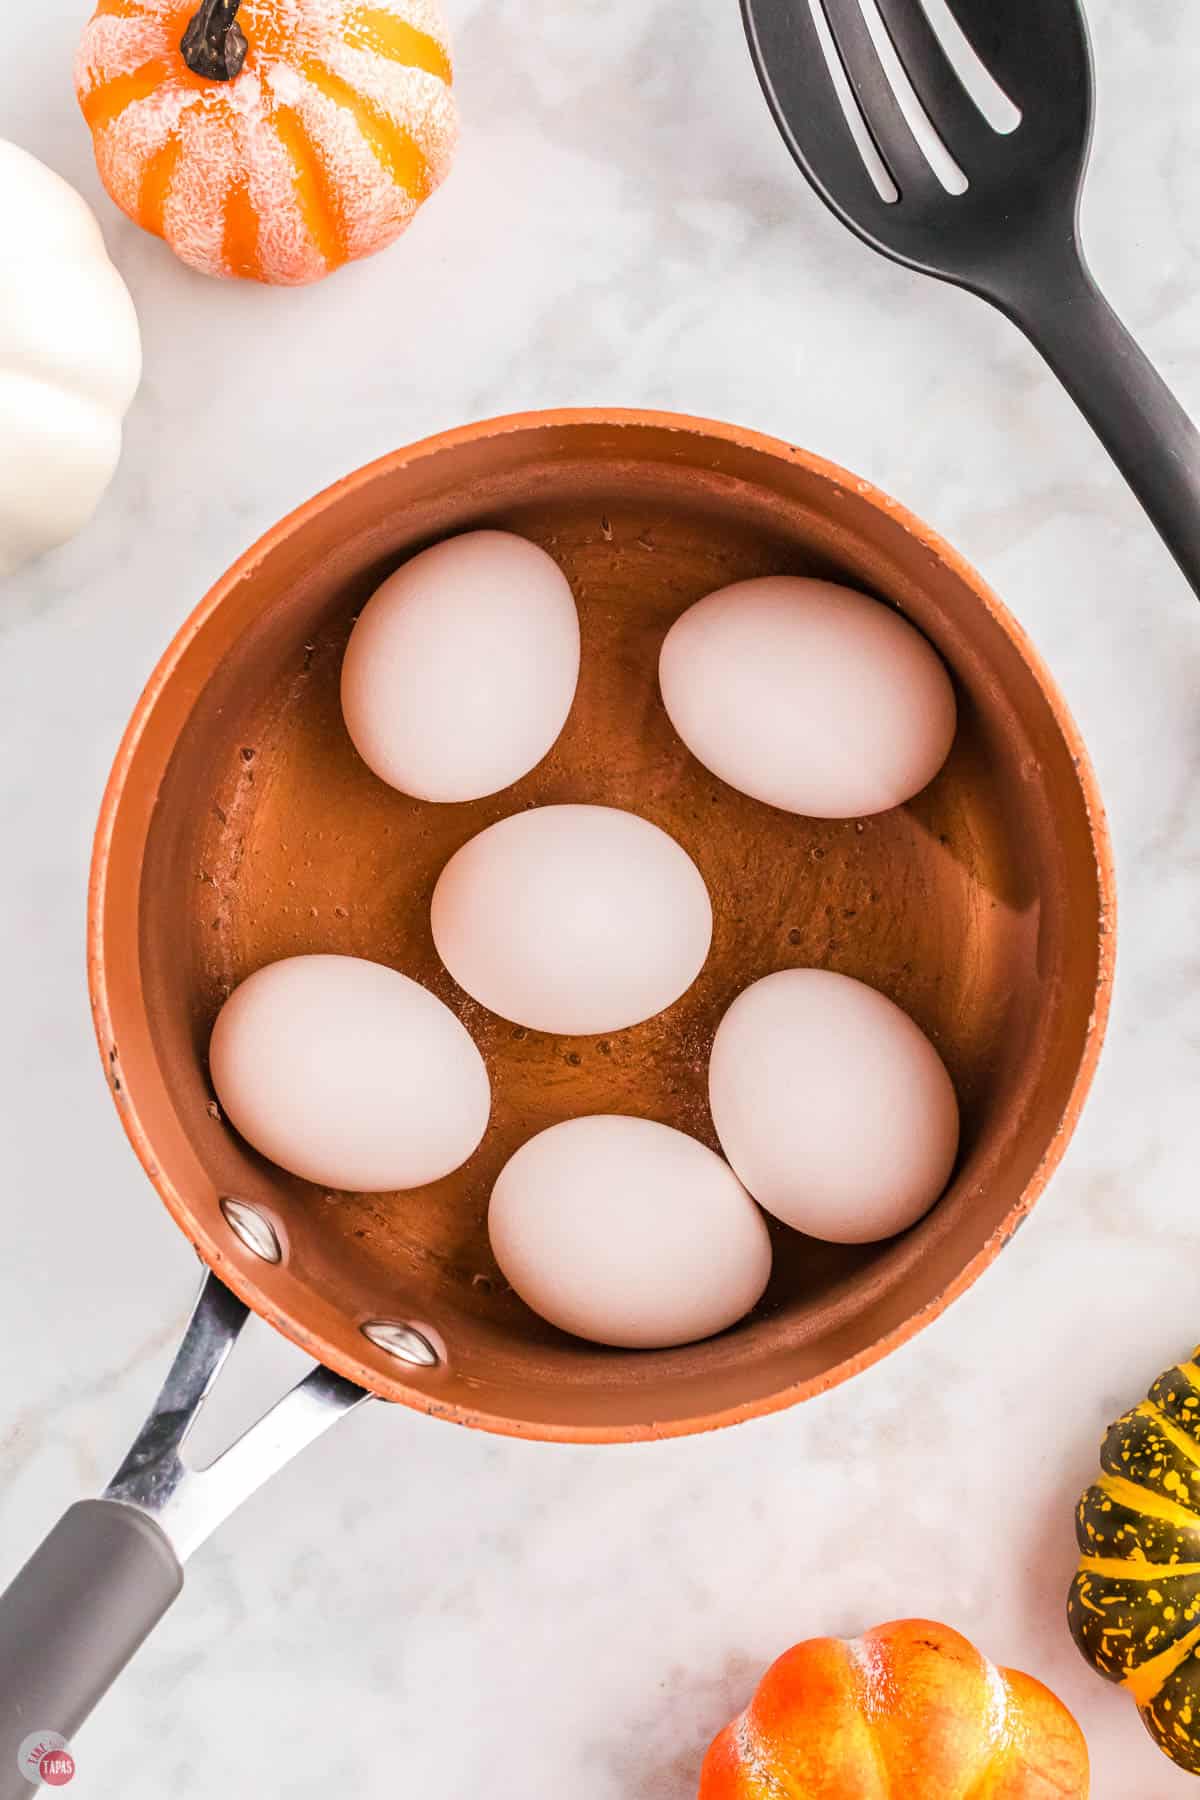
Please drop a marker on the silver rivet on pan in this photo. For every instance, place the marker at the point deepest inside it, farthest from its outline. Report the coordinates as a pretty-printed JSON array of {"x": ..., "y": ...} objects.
[
  {"x": 404, "y": 1342},
  {"x": 253, "y": 1228}
]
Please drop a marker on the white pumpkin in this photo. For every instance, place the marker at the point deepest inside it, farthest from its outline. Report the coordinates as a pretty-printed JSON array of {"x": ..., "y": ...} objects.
[{"x": 70, "y": 360}]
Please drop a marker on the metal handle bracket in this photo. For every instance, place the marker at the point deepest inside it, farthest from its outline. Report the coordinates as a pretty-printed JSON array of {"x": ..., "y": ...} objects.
[{"x": 187, "y": 1503}]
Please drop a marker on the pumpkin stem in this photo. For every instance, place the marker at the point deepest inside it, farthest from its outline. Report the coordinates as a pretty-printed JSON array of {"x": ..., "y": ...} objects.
[{"x": 214, "y": 44}]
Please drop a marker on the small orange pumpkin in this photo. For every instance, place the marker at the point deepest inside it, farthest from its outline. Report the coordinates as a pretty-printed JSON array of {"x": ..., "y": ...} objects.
[
  {"x": 908, "y": 1709},
  {"x": 274, "y": 139}
]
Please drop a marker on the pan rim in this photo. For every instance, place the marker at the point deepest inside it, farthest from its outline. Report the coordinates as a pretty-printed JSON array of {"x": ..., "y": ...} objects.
[{"x": 242, "y": 1280}]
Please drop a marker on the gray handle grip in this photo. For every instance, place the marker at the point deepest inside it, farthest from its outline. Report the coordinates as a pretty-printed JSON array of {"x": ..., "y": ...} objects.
[{"x": 72, "y": 1619}]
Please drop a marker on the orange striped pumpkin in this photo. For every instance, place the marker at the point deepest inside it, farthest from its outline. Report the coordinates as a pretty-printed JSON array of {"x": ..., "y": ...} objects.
[{"x": 270, "y": 139}]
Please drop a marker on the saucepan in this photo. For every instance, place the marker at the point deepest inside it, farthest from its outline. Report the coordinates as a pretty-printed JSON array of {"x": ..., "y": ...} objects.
[{"x": 239, "y": 826}]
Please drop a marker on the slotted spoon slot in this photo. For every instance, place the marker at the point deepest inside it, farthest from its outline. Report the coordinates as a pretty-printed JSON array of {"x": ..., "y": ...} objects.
[
  {"x": 1001, "y": 112},
  {"x": 885, "y": 95},
  {"x": 925, "y": 133},
  {"x": 856, "y": 122}
]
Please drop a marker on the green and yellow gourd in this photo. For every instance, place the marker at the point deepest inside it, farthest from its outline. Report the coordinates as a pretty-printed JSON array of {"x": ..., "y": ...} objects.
[{"x": 1134, "y": 1605}]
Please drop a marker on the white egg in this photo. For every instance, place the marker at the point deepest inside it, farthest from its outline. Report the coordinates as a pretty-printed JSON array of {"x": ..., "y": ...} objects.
[
  {"x": 461, "y": 669},
  {"x": 833, "y": 1107},
  {"x": 809, "y": 696},
  {"x": 573, "y": 919},
  {"x": 349, "y": 1074},
  {"x": 628, "y": 1233}
]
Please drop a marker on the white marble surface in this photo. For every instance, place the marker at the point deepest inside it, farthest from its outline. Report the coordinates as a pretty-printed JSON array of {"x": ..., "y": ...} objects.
[{"x": 415, "y": 1609}]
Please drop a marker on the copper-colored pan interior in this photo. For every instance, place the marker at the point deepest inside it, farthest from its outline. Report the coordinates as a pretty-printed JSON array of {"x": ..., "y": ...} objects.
[{"x": 241, "y": 827}]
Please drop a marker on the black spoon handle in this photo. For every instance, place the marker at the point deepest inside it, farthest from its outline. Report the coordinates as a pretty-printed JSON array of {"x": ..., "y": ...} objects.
[{"x": 1117, "y": 388}]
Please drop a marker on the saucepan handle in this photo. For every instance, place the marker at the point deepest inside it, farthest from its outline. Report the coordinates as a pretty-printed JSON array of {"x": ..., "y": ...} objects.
[
  {"x": 83, "y": 1603},
  {"x": 109, "y": 1570}
]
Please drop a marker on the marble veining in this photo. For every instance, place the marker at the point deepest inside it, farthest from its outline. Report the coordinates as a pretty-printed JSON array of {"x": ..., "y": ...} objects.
[{"x": 415, "y": 1608}]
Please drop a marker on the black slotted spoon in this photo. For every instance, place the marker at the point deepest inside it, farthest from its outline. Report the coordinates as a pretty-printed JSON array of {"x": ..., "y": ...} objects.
[{"x": 1012, "y": 236}]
